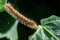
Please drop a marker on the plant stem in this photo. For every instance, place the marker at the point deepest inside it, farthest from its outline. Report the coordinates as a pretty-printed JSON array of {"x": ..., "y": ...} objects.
[{"x": 50, "y": 33}]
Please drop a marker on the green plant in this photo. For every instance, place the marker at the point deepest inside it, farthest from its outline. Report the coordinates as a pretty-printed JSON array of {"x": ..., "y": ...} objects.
[{"x": 48, "y": 30}]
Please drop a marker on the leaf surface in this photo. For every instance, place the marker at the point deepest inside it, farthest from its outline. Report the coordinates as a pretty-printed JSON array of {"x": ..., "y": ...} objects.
[
  {"x": 8, "y": 26},
  {"x": 41, "y": 35},
  {"x": 2, "y": 4},
  {"x": 50, "y": 29},
  {"x": 53, "y": 24}
]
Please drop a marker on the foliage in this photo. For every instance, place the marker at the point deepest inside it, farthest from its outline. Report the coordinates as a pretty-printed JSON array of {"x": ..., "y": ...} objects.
[
  {"x": 2, "y": 4},
  {"x": 48, "y": 30},
  {"x": 8, "y": 25}
]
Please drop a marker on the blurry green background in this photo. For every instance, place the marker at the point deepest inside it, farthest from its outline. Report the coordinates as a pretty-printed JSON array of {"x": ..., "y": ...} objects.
[{"x": 36, "y": 10}]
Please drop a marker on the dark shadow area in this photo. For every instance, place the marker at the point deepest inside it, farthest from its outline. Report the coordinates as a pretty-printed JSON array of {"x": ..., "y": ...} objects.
[
  {"x": 24, "y": 32},
  {"x": 38, "y": 9},
  {"x": 5, "y": 22},
  {"x": 4, "y": 38}
]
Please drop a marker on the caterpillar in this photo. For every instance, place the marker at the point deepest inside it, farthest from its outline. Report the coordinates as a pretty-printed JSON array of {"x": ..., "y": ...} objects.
[{"x": 20, "y": 16}]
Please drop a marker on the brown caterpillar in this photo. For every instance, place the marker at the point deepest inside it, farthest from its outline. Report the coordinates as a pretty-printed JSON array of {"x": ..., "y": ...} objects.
[{"x": 20, "y": 16}]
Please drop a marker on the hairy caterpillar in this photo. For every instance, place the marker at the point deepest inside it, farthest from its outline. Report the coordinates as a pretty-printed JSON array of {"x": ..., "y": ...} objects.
[{"x": 20, "y": 16}]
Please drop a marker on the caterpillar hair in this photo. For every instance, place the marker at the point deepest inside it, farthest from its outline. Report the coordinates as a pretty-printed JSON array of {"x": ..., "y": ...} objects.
[{"x": 23, "y": 19}]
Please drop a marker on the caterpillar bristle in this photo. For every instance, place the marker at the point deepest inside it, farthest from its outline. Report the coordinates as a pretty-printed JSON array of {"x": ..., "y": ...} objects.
[{"x": 23, "y": 19}]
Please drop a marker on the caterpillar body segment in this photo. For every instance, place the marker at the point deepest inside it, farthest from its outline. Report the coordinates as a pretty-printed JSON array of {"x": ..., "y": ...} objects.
[{"x": 24, "y": 20}]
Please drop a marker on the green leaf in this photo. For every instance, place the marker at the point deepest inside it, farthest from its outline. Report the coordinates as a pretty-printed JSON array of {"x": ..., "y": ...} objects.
[
  {"x": 51, "y": 19},
  {"x": 8, "y": 26},
  {"x": 52, "y": 24},
  {"x": 41, "y": 35},
  {"x": 49, "y": 30},
  {"x": 2, "y": 4}
]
